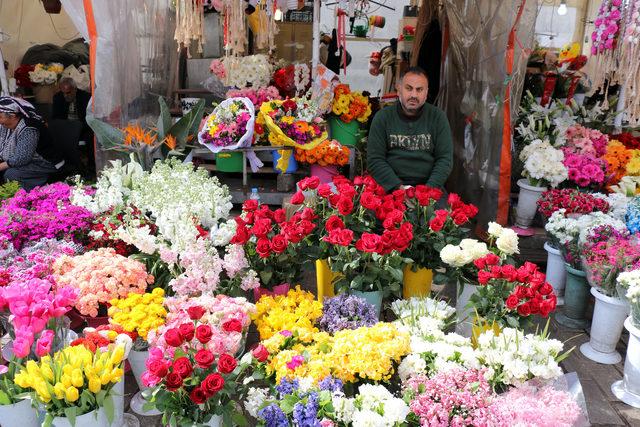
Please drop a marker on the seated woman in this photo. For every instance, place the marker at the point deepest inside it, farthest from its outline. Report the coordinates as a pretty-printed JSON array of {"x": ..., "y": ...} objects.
[{"x": 27, "y": 153}]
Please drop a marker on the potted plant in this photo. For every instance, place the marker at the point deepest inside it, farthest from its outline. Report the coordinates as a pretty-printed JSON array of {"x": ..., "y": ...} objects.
[
  {"x": 433, "y": 230},
  {"x": 542, "y": 167},
  {"x": 628, "y": 389},
  {"x": 606, "y": 253},
  {"x": 271, "y": 243},
  {"x": 192, "y": 384},
  {"x": 366, "y": 232},
  {"x": 348, "y": 109},
  {"x": 574, "y": 202},
  {"x": 146, "y": 145}
]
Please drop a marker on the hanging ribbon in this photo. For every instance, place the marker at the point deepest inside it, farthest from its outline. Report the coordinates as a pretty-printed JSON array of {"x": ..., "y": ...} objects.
[
  {"x": 342, "y": 37},
  {"x": 575, "y": 79},
  {"x": 550, "y": 80},
  {"x": 504, "y": 188}
]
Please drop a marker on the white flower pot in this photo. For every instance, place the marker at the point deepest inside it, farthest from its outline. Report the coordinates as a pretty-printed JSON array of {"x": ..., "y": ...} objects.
[
  {"x": 628, "y": 389},
  {"x": 117, "y": 393},
  {"x": 527, "y": 203},
  {"x": 137, "y": 360},
  {"x": 97, "y": 418},
  {"x": 20, "y": 414},
  {"x": 465, "y": 314},
  {"x": 608, "y": 317},
  {"x": 556, "y": 272}
]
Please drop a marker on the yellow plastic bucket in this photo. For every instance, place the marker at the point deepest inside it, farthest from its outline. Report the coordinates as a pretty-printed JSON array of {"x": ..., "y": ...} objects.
[
  {"x": 324, "y": 279},
  {"x": 416, "y": 283}
]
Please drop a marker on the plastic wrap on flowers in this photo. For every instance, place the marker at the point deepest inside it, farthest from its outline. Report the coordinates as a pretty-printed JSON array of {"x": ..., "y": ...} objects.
[
  {"x": 312, "y": 137},
  {"x": 633, "y": 215},
  {"x": 230, "y": 127}
]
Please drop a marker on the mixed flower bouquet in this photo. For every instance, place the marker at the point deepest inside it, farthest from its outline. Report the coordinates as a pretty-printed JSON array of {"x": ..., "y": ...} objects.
[
  {"x": 74, "y": 381},
  {"x": 507, "y": 295},
  {"x": 271, "y": 241},
  {"x": 574, "y": 202},
  {"x": 605, "y": 254},
  {"x": 328, "y": 153},
  {"x": 100, "y": 276},
  {"x": 543, "y": 164},
  {"x": 433, "y": 229},
  {"x": 569, "y": 234},
  {"x": 292, "y": 122},
  {"x": 348, "y": 105},
  {"x": 191, "y": 383},
  {"x": 44, "y": 212},
  {"x": 628, "y": 285},
  {"x": 230, "y": 125},
  {"x": 139, "y": 314},
  {"x": 368, "y": 258},
  {"x": 46, "y": 74}
]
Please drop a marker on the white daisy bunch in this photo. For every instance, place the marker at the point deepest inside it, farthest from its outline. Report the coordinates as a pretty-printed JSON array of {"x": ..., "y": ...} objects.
[
  {"x": 419, "y": 315},
  {"x": 543, "y": 164},
  {"x": 373, "y": 406}
]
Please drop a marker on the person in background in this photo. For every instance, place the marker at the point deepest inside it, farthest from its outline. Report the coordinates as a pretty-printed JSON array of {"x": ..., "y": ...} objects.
[
  {"x": 27, "y": 153},
  {"x": 70, "y": 103},
  {"x": 410, "y": 142}
]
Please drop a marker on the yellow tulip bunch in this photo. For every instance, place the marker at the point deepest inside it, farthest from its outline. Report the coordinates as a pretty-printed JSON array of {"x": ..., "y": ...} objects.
[
  {"x": 297, "y": 311},
  {"x": 139, "y": 313},
  {"x": 59, "y": 381}
]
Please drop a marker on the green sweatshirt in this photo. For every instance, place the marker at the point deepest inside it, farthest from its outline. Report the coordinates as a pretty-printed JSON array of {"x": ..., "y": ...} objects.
[{"x": 410, "y": 151}]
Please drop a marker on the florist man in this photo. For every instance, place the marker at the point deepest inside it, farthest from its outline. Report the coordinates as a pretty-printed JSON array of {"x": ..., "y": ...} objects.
[{"x": 410, "y": 141}]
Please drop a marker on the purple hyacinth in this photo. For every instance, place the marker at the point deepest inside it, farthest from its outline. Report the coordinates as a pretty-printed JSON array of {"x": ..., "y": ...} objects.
[
  {"x": 346, "y": 312},
  {"x": 331, "y": 384},
  {"x": 287, "y": 387},
  {"x": 273, "y": 416},
  {"x": 307, "y": 415}
]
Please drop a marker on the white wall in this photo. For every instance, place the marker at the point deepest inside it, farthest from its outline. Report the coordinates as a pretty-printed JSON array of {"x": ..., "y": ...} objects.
[{"x": 28, "y": 24}]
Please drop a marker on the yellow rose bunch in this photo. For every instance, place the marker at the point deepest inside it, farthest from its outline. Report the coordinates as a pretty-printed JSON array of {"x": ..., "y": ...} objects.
[
  {"x": 72, "y": 373},
  {"x": 367, "y": 353},
  {"x": 297, "y": 311},
  {"x": 139, "y": 313}
]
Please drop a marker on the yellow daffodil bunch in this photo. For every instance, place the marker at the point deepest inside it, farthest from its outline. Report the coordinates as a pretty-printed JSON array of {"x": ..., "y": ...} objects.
[
  {"x": 367, "y": 353},
  {"x": 139, "y": 313},
  {"x": 297, "y": 311},
  {"x": 73, "y": 378}
]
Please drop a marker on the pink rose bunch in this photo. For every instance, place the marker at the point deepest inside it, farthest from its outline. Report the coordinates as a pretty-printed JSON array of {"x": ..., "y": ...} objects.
[
  {"x": 229, "y": 318},
  {"x": 257, "y": 96},
  {"x": 453, "y": 398},
  {"x": 584, "y": 170},
  {"x": 101, "y": 276},
  {"x": 607, "y": 27},
  {"x": 33, "y": 303}
]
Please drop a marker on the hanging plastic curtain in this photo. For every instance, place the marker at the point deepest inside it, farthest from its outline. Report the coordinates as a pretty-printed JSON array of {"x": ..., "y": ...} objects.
[
  {"x": 479, "y": 93},
  {"x": 133, "y": 57}
]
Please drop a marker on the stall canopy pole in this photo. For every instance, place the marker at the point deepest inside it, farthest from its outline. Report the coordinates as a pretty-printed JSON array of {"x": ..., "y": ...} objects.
[
  {"x": 315, "y": 58},
  {"x": 4, "y": 86}
]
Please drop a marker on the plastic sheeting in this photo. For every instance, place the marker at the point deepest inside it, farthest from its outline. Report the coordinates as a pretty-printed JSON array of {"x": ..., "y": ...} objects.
[
  {"x": 473, "y": 90},
  {"x": 135, "y": 58}
]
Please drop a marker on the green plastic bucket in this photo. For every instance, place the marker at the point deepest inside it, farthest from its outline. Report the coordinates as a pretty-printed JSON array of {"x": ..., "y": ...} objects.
[
  {"x": 229, "y": 161},
  {"x": 345, "y": 133}
]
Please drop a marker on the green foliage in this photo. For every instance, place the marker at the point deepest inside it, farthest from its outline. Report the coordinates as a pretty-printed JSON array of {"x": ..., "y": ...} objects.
[{"x": 9, "y": 189}]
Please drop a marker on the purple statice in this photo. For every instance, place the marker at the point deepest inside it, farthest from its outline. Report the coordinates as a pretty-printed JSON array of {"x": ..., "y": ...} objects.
[
  {"x": 273, "y": 416},
  {"x": 287, "y": 387},
  {"x": 331, "y": 384},
  {"x": 44, "y": 212},
  {"x": 346, "y": 312},
  {"x": 306, "y": 415}
]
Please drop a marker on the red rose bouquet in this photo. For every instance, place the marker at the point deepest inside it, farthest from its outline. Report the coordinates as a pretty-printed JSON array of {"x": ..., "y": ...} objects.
[
  {"x": 507, "y": 295},
  {"x": 434, "y": 228},
  {"x": 271, "y": 241},
  {"x": 190, "y": 383},
  {"x": 363, "y": 232},
  {"x": 572, "y": 200}
]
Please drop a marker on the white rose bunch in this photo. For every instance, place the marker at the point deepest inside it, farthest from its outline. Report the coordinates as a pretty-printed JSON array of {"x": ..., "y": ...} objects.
[{"x": 506, "y": 239}]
